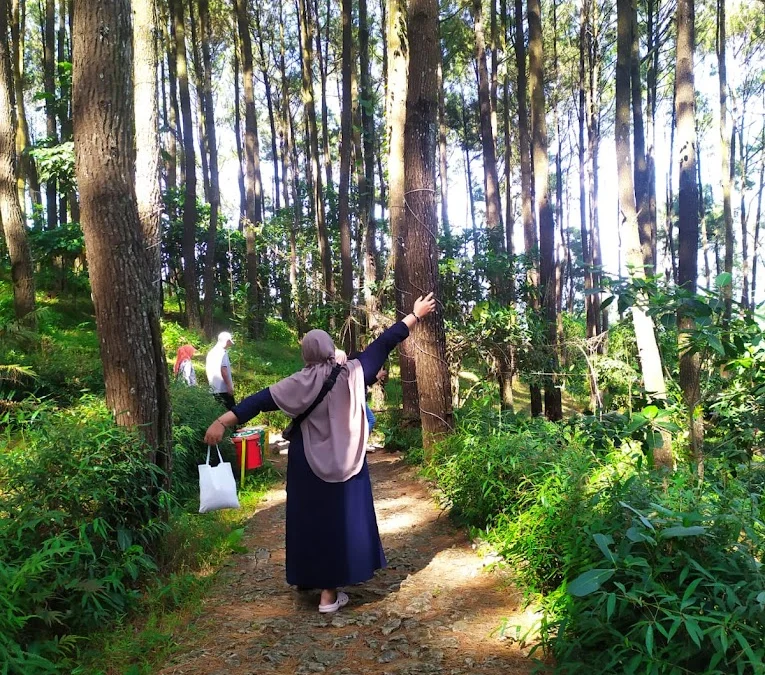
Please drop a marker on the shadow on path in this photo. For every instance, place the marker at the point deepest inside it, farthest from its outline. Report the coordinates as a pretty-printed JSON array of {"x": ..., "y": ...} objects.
[{"x": 434, "y": 609}]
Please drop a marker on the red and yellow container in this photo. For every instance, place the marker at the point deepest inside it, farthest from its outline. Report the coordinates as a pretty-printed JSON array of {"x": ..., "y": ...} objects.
[{"x": 250, "y": 444}]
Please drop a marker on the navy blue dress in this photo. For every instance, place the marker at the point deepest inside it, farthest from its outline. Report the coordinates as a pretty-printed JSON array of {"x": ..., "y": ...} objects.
[{"x": 332, "y": 536}]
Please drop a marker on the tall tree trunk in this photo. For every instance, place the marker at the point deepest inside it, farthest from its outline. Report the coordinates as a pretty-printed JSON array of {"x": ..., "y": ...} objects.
[
  {"x": 434, "y": 382},
  {"x": 593, "y": 101},
  {"x": 651, "y": 100},
  {"x": 509, "y": 210},
  {"x": 212, "y": 143},
  {"x": 147, "y": 158},
  {"x": 494, "y": 231},
  {"x": 201, "y": 116},
  {"x": 553, "y": 404},
  {"x": 322, "y": 58},
  {"x": 238, "y": 132},
  {"x": 744, "y": 168},
  {"x": 325, "y": 253},
  {"x": 650, "y": 360},
  {"x": 758, "y": 219},
  {"x": 346, "y": 140},
  {"x": 269, "y": 106},
  {"x": 367, "y": 189},
  {"x": 477, "y": 292},
  {"x": 702, "y": 221},
  {"x": 173, "y": 135},
  {"x": 398, "y": 66},
  {"x": 688, "y": 221},
  {"x": 253, "y": 186},
  {"x": 645, "y": 226},
  {"x": 190, "y": 191},
  {"x": 670, "y": 205},
  {"x": 11, "y": 215},
  {"x": 27, "y": 170},
  {"x": 592, "y": 319},
  {"x": 527, "y": 211},
  {"x": 726, "y": 157},
  {"x": 135, "y": 370},
  {"x": 49, "y": 86}
]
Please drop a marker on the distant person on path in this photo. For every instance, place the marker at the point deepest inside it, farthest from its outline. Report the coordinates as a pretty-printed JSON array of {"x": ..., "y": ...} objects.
[
  {"x": 218, "y": 369},
  {"x": 184, "y": 368},
  {"x": 332, "y": 535}
]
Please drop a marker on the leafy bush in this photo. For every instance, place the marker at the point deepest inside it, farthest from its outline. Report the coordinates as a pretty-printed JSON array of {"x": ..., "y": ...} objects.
[
  {"x": 77, "y": 524},
  {"x": 673, "y": 592},
  {"x": 482, "y": 471}
]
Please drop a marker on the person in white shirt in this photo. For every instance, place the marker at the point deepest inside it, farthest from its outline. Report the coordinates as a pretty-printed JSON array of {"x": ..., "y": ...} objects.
[{"x": 218, "y": 369}]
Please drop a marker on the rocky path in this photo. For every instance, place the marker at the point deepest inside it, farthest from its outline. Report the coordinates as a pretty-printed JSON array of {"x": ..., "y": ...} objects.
[{"x": 435, "y": 609}]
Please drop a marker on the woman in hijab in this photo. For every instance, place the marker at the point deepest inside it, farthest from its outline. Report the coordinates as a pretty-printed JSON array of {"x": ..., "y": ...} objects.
[
  {"x": 332, "y": 536},
  {"x": 184, "y": 368}
]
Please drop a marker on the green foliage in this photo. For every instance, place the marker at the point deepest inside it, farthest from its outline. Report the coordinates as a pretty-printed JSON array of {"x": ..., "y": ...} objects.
[
  {"x": 671, "y": 592},
  {"x": 56, "y": 162},
  {"x": 480, "y": 471},
  {"x": 77, "y": 524}
]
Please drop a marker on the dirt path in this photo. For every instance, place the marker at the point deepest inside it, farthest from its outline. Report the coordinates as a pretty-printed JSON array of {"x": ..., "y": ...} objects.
[{"x": 435, "y": 609}]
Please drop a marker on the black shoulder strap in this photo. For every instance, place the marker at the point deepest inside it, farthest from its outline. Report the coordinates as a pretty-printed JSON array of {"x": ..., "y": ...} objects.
[{"x": 325, "y": 388}]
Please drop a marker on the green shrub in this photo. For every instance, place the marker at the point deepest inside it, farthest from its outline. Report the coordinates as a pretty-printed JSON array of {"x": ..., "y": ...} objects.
[
  {"x": 672, "y": 592},
  {"x": 482, "y": 471},
  {"x": 77, "y": 525}
]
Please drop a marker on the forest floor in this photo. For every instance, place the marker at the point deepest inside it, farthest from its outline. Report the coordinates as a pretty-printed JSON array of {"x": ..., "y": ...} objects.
[{"x": 437, "y": 608}]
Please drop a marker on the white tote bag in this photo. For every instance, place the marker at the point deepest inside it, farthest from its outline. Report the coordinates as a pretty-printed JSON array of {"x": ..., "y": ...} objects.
[{"x": 217, "y": 487}]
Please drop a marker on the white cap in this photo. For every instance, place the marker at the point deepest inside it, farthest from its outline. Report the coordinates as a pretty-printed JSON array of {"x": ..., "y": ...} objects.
[{"x": 225, "y": 337}]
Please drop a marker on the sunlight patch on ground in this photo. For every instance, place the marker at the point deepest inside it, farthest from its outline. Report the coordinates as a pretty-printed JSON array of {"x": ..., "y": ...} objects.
[{"x": 400, "y": 514}]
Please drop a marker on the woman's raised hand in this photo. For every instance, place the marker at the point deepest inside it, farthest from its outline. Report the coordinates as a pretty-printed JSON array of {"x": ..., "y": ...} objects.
[{"x": 424, "y": 305}]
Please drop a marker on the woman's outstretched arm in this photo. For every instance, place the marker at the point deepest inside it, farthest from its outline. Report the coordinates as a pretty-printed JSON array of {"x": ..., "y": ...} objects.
[{"x": 239, "y": 414}]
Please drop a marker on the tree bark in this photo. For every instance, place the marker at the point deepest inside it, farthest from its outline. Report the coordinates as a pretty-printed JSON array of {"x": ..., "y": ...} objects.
[
  {"x": 645, "y": 226},
  {"x": 367, "y": 188},
  {"x": 494, "y": 231},
  {"x": 553, "y": 403},
  {"x": 135, "y": 370},
  {"x": 238, "y": 131},
  {"x": 650, "y": 360},
  {"x": 726, "y": 167},
  {"x": 148, "y": 195},
  {"x": 27, "y": 170},
  {"x": 398, "y": 65},
  {"x": 173, "y": 132},
  {"x": 758, "y": 219},
  {"x": 527, "y": 211},
  {"x": 49, "y": 87},
  {"x": 253, "y": 185},
  {"x": 325, "y": 253},
  {"x": 591, "y": 314},
  {"x": 212, "y": 146},
  {"x": 270, "y": 107},
  {"x": 744, "y": 167},
  {"x": 688, "y": 221},
  {"x": 11, "y": 215},
  {"x": 434, "y": 382},
  {"x": 322, "y": 59},
  {"x": 346, "y": 140},
  {"x": 190, "y": 191},
  {"x": 593, "y": 107}
]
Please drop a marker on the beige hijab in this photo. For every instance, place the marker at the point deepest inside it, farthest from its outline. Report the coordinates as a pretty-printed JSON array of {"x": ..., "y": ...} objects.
[{"x": 335, "y": 434}]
